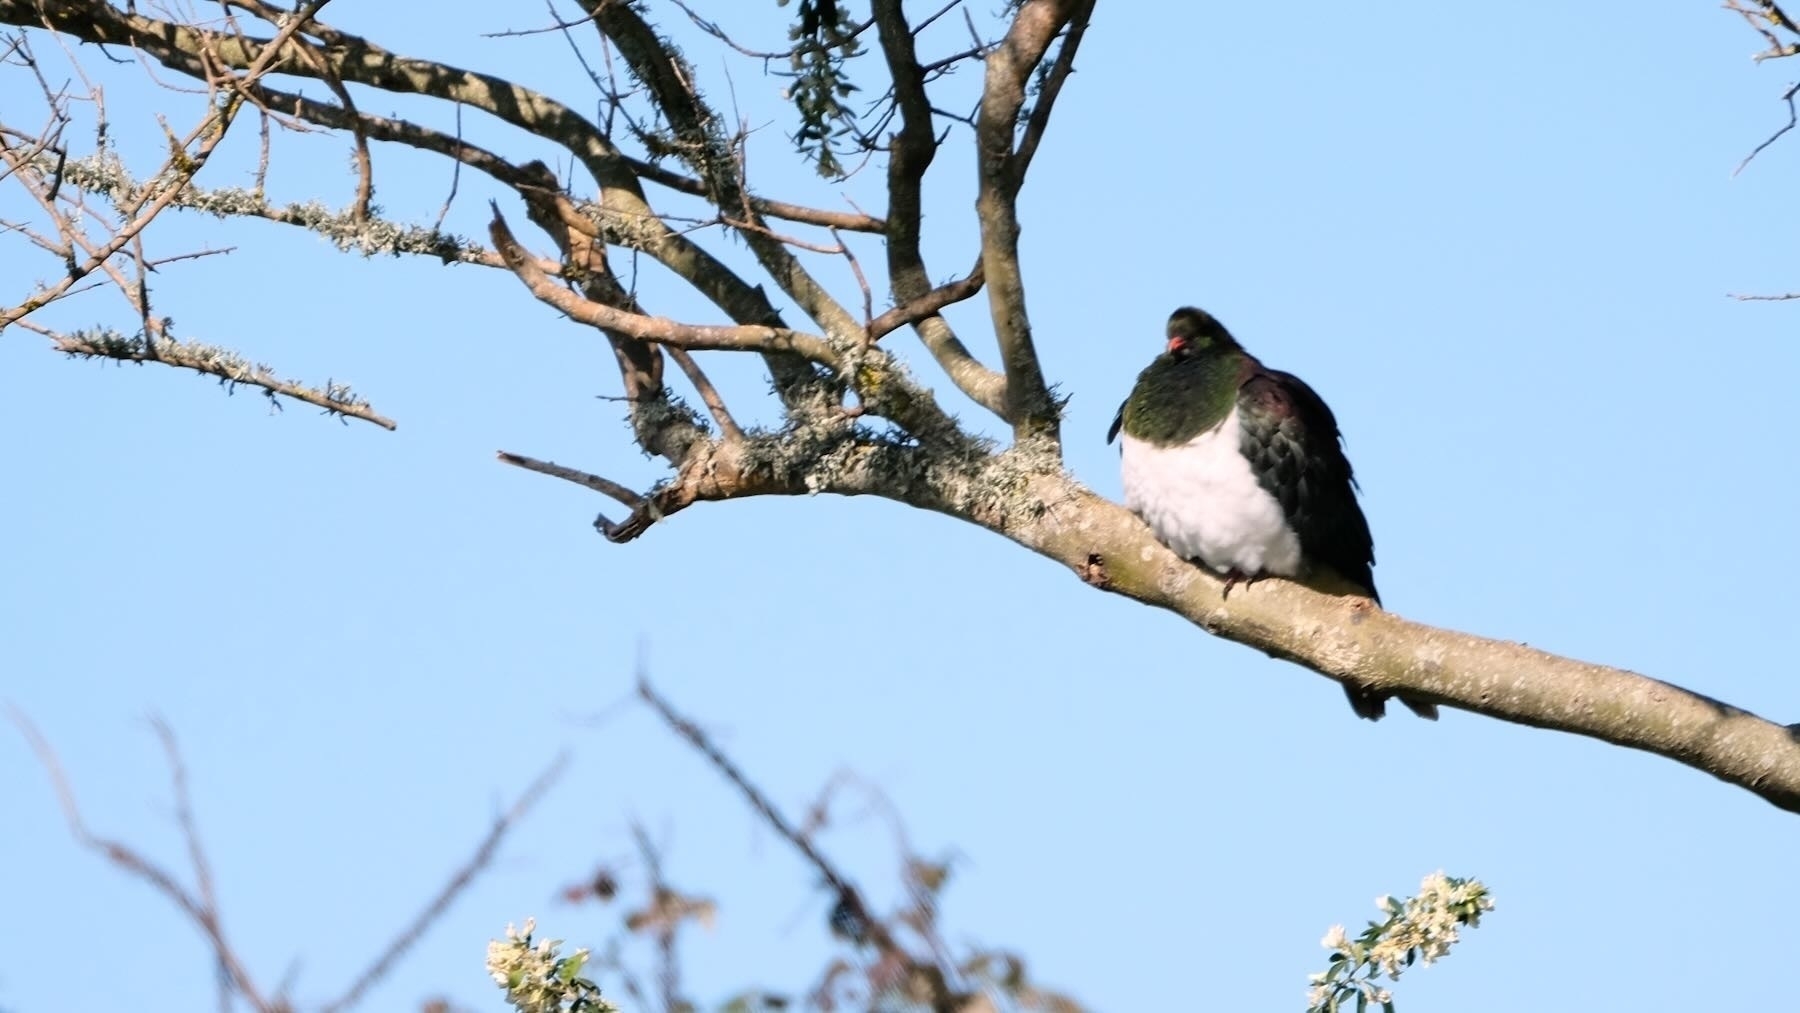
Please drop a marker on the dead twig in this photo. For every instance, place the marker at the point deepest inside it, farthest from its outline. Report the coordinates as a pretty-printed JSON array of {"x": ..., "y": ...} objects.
[{"x": 1793, "y": 118}]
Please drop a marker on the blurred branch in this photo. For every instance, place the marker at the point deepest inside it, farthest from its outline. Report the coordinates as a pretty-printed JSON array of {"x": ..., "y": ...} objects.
[
  {"x": 452, "y": 889},
  {"x": 200, "y": 910},
  {"x": 201, "y": 906},
  {"x": 852, "y": 914}
]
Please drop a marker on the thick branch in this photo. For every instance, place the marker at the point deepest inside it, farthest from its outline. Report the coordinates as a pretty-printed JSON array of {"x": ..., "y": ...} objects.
[{"x": 1344, "y": 637}]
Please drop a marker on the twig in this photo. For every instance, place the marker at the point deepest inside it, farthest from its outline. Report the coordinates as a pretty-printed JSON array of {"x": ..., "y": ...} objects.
[
  {"x": 845, "y": 892},
  {"x": 715, "y": 404},
  {"x": 862, "y": 281},
  {"x": 605, "y": 486},
  {"x": 1793, "y": 117},
  {"x": 846, "y": 220},
  {"x": 458, "y": 882},
  {"x": 456, "y": 165},
  {"x": 1039, "y": 121}
]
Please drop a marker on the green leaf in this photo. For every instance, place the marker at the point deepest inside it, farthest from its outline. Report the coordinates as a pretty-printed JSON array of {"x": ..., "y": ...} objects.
[
  {"x": 1362, "y": 1002},
  {"x": 1387, "y": 1007},
  {"x": 572, "y": 967}
]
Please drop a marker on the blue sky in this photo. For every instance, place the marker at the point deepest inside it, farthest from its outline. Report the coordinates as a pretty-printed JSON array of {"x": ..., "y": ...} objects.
[{"x": 1499, "y": 246}]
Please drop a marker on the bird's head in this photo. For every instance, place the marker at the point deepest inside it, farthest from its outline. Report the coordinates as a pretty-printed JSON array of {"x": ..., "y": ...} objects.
[{"x": 1197, "y": 332}]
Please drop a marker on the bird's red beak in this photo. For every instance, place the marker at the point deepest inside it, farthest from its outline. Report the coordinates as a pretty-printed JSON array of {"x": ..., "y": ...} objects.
[{"x": 1176, "y": 343}]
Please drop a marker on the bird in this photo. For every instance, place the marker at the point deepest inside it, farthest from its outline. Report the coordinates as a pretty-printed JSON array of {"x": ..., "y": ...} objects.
[{"x": 1241, "y": 468}]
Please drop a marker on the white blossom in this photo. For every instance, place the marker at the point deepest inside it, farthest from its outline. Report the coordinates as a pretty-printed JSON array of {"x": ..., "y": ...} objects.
[{"x": 536, "y": 979}]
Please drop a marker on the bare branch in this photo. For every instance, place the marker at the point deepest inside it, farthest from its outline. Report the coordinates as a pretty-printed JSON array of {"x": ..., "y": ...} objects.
[
  {"x": 1793, "y": 117},
  {"x": 604, "y": 486},
  {"x": 452, "y": 889},
  {"x": 231, "y": 368},
  {"x": 849, "y": 221},
  {"x": 695, "y": 125},
  {"x": 645, "y": 328},
  {"x": 1029, "y": 406},
  {"x": 929, "y": 304},
  {"x": 1058, "y": 75},
  {"x": 842, "y": 889},
  {"x": 909, "y": 156}
]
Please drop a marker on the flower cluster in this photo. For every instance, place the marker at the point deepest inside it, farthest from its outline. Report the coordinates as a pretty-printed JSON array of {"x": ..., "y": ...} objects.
[
  {"x": 536, "y": 980},
  {"x": 1422, "y": 928}
]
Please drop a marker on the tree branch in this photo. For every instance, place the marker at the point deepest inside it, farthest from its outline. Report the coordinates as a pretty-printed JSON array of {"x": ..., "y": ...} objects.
[
  {"x": 926, "y": 305},
  {"x": 630, "y": 219},
  {"x": 909, "y": 155},
  {"x": 659, "y": 329},
  {"x": 200, "y": 911},
  {"x": 231, "y": 368},
  {"x": 1029, "y": 406},
  {"x": 453, "y": 888},
  {"x": 1327, "y": 628},
  {"x": 849, "y": 221},
  {"x": 695, "y": 126}
]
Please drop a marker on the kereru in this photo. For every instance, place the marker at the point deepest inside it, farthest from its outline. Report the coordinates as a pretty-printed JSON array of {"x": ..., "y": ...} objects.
[{"x": 1240, "y": 467}]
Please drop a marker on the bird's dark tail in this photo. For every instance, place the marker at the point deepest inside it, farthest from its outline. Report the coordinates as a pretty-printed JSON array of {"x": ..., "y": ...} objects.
[{"x": 1369, "y": 704}]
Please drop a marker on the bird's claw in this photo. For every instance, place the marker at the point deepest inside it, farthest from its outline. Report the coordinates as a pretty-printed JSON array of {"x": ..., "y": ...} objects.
[{"x": 1234, "y": 577}]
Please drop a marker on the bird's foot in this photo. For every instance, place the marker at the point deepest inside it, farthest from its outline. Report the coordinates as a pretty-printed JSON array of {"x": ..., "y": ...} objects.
[{"x": 1235, "y": 576}]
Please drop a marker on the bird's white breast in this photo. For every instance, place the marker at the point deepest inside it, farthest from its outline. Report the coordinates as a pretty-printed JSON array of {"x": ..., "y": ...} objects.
[{"x": 1203, "y": 501}]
